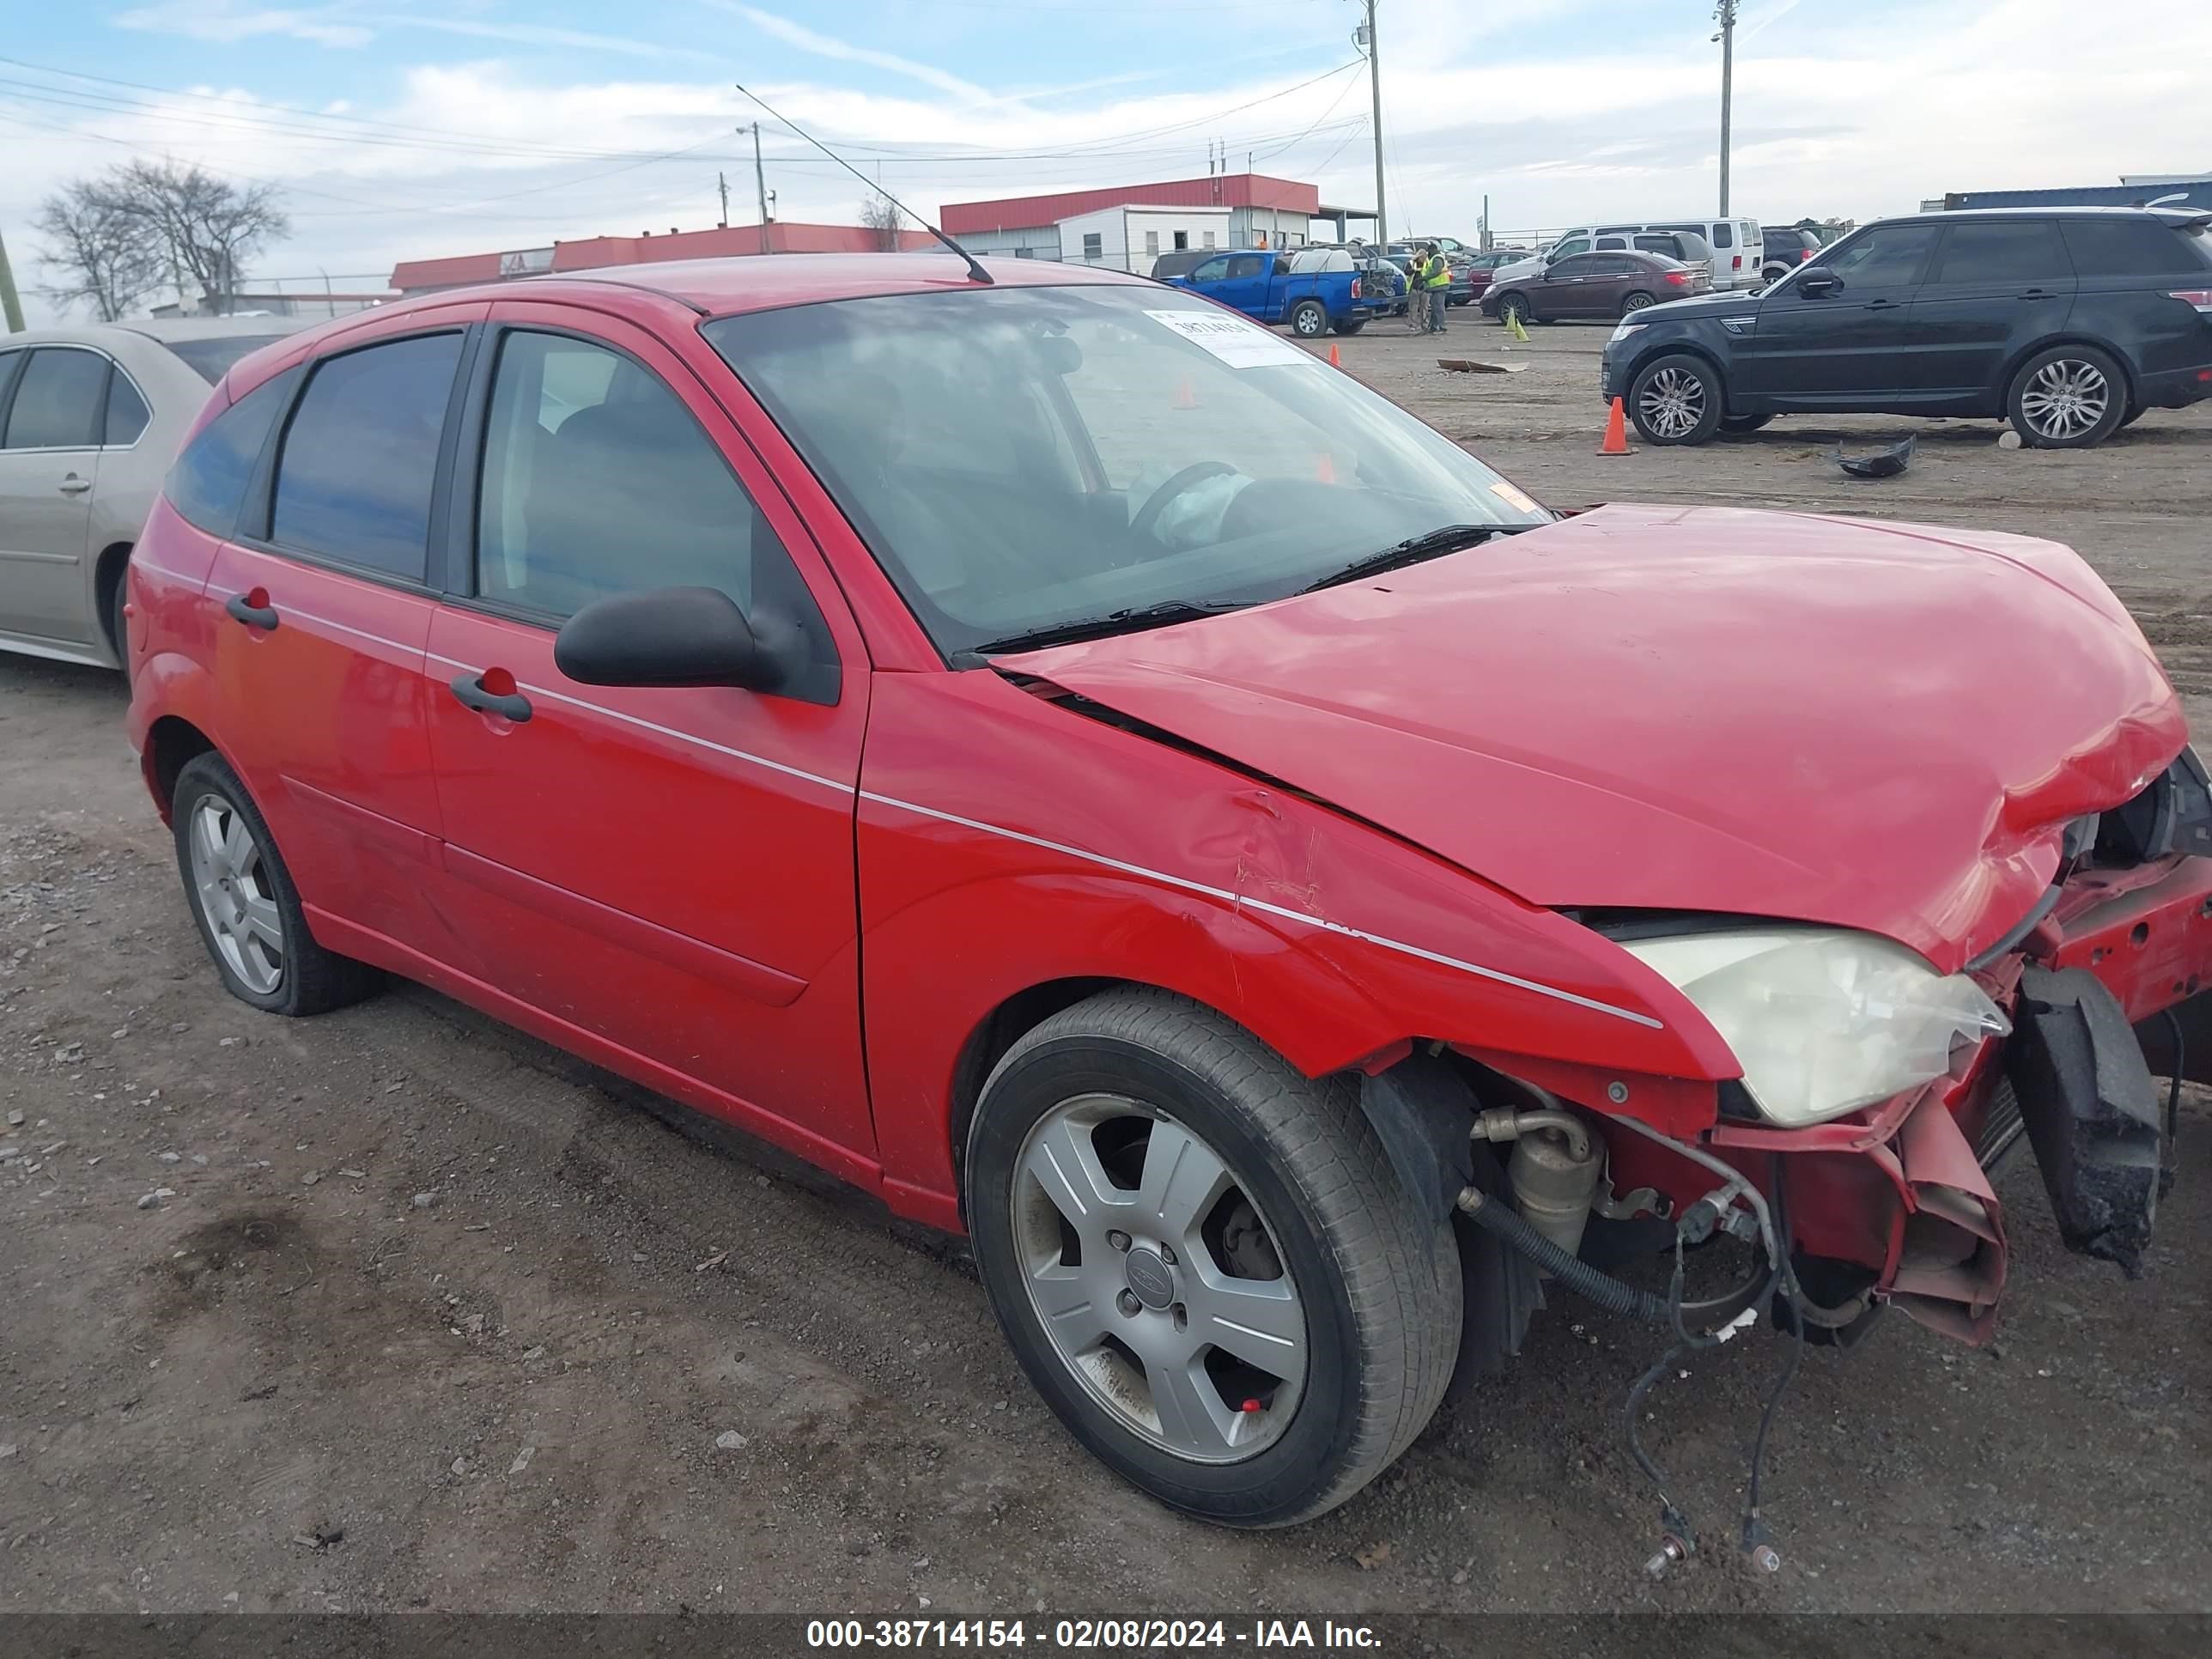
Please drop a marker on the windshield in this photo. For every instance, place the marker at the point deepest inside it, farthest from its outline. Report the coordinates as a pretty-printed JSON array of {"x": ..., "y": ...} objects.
[
  {"x": 1020, "y": 458},
  {"x": 210, "y": 358}
]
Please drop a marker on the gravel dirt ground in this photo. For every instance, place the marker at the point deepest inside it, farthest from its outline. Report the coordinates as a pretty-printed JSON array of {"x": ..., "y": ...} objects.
[{"x": 395, "y": 1308}]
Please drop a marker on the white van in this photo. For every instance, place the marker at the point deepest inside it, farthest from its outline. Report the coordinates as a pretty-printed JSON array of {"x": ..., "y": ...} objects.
[{"x": 1736, "y": 244}]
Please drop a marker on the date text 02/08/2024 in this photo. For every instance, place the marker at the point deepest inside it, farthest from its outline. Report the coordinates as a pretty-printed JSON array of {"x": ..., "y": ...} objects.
[{"x": 1079, "y": 1634}]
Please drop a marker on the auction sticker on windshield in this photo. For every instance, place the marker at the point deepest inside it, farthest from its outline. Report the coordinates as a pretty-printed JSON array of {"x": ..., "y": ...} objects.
[{"x": 1238, "y": 344}]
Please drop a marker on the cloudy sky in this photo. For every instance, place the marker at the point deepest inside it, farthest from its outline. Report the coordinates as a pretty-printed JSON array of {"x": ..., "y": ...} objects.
[{"x": 406, "y": 128}]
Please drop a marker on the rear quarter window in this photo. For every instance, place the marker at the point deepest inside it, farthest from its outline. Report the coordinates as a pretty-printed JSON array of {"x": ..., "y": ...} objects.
[
  {"x": 208, "y": 484},
  {"x": 2135, "y": 248},
  {"x": 212, "y": 358}
]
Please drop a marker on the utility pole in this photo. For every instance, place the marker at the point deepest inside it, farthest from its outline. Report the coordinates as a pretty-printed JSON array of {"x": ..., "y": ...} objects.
[
  {"x": 722, "y": 184},
  {"x": 1364, "y": 36},
  {"x": 10, "y": 307},
  {"x": 759, "y": 183},
  {"x": 1725, "y": 12}
]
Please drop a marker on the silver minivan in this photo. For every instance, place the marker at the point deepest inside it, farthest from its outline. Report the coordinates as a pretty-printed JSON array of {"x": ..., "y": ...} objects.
[{"x": 90, "y": 418}]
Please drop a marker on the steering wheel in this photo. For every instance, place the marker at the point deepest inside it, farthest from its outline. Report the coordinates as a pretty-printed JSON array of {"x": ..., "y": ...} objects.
[{"x": 1196, "y": 472}]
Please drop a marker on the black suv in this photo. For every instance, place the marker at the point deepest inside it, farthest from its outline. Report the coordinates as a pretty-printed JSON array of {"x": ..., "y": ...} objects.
[
  {"x": 2068, "y": 321},
  {"x": 1784, "y": 247}
]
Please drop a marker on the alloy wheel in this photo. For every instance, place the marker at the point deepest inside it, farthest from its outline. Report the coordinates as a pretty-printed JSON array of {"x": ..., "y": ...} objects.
[
  {"x": 1157, "y": 1280},
  {"x": 235, "y": 895},
  {"x": 1635, "y": 302},
  {"x": 1672, "y": 402},
  {"x": 2066, "y": 398}
]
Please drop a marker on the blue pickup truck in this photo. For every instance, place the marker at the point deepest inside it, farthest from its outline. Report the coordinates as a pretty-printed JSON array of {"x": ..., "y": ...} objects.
[{"x": 1314, "y": 290}]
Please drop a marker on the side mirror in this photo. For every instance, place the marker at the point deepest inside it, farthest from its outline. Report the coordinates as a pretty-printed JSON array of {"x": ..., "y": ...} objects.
[
  {"x": 665, "y": 637},
  {"x": 1816, "y": 280}
]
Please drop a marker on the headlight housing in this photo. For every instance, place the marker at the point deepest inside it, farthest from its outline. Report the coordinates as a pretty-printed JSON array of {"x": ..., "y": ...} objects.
[
  {"x": 1621, "y": 331},
  {"x": 1823, "y": 1020}
]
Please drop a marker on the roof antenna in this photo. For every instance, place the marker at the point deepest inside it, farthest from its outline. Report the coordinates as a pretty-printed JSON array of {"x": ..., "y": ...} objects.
[{"x": 975, "y": 271}]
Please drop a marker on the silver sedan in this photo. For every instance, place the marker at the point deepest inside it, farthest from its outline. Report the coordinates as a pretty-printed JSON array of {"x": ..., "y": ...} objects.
[{"x": 90, "y": 418}]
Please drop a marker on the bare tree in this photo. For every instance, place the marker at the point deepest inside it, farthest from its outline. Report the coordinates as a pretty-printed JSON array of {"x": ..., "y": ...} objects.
[
  {"x": 880, "y": 216},
  {"x": 109, "y": 259},
  {"x": 204, "y": 226}
]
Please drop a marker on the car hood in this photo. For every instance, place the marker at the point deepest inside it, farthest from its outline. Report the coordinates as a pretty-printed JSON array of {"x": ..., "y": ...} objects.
[
  {"x": 1873, "y": 726},
  {"x": 1703, "y": 307}
]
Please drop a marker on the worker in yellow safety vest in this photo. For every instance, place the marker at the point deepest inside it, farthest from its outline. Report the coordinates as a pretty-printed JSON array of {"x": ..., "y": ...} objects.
[{"x": 1436, "y": 283}]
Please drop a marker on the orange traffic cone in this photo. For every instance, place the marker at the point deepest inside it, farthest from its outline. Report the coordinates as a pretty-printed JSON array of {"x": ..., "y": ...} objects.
[
  {"x": 1616, "y": 432},
  {"x": 1335, "y": 362},
  {"x": 1187, "y": 395}
]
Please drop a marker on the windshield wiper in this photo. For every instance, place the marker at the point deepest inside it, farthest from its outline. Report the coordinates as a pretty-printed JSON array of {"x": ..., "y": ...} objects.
[
  {"x": 1449, "y": 539},
  {"x": 1096, "y": 628}
]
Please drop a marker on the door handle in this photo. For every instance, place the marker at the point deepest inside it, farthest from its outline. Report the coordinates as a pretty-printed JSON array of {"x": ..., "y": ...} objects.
[
  {"x": 242, "y": 608},
  {"x": 512, "y": 705},
  {"x": 1882, "y": 305},
  {"x": 2037, "y": 294},
  {"x": 73, "y": 485}
]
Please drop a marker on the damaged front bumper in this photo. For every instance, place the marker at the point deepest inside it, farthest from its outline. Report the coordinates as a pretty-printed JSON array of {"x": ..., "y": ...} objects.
[{"x": 2111, "y": 987}]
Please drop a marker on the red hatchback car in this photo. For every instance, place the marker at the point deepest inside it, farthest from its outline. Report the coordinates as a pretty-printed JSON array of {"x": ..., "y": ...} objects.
[{"x": 1056, "y": 754}]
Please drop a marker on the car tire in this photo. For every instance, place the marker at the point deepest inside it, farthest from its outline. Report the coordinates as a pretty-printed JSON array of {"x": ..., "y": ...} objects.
[
  {"x": 1738, "y": 424},
  {"x": 1676, "y": 399},
  {"x": 1514, "y": 305},
  {"x": 2135, "y": 412},
  {"x": 242, "y": 896},
  {"x": 2069, "y": 397},
  {"x": 1632, "y": 303},
  {"x": 1773, "y": 274},
  {"x": 118, "y": 625},
  {"x": 1270, "y": 1178},
  {"x": 1309, "y": 319},
  {"x": 1351, "y": 326}
]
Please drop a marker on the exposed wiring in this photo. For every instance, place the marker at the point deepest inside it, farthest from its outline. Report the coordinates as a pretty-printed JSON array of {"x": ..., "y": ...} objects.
[
  {"x": 1737, "y": 1185},
  {"x": 1755, "y": 1540}
]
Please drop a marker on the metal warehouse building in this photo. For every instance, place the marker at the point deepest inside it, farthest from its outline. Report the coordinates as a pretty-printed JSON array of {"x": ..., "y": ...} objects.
[
  {"x": 1128, "y": 226},
  {"x": 2177, "y": 189}
]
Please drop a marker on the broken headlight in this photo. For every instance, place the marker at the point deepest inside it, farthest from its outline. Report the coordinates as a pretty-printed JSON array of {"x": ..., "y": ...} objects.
[{"x": 1823, "y": 1020}]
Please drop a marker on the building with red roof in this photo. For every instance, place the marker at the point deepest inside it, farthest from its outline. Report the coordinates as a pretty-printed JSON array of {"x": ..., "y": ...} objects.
[
  {"x": 412, "y": 277},
  {"x": 1128, "y": 226}
]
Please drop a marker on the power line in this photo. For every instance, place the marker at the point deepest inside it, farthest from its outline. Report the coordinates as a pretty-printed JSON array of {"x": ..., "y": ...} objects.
[
  {"x": 1317, "y": 120},
  {"x": 233, "y": 105},
  {"x": 1357, "y": 127},
  {"x": 233, "y": 117}
]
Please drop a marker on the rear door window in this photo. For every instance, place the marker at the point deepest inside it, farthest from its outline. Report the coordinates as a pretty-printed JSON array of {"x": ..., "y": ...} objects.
[
  {"x": 58, "y": 401},
  {"x": 2002, "y": 251},
  {"x": 353, "y": 479},
  {"x": 2134, "y": 247}
]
